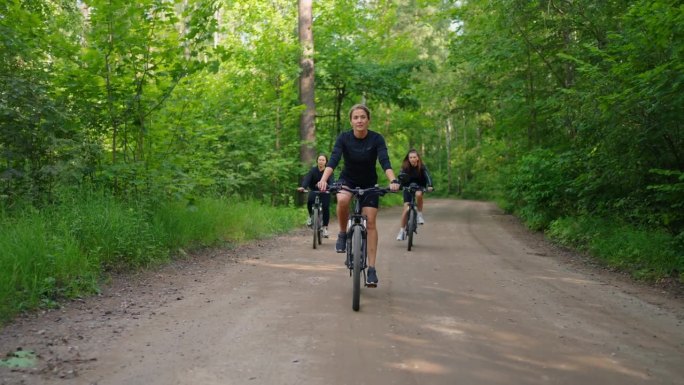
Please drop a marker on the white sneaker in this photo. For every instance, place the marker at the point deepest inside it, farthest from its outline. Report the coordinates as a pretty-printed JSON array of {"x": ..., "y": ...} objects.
[
  {"x": 308, "y": 221},
  {"x": 325, "y": 232},
  {"x": 402, "y": 235},
  {"x": 421, "y": 221}
]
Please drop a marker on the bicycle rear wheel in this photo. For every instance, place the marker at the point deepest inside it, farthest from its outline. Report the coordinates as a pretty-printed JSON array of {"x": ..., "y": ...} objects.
[
  {"x": 411, "y": 227},
  {"x": 316, "y": 228},
  {"x": 357, "y": 260}
]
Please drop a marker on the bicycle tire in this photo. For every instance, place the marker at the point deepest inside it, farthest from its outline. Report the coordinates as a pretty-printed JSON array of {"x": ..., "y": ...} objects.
[
  {"x": 411, "y": 228},
  {"x": 320, "y": 227},
  {"x": 316, "y": 227},
  {"x": 357, "y": 258}
]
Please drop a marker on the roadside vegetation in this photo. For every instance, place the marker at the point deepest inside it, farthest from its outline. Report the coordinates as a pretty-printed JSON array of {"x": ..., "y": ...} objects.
[{"x": 67, "y": 250}]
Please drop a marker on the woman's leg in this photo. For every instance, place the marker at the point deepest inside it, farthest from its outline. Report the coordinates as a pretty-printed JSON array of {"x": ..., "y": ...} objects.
[
  {"x": 325, "y": 201},
  {"x": 419, "y": 200},
  {"x": 404, "y": 216},
  {"x": 343, "y": 199},
  {"x": 371, "y": 214}
]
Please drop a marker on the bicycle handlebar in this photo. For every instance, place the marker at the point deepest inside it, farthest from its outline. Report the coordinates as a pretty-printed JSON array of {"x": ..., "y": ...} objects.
[
  {"x": 416, "y": 187},
  {"x": 359, "y": 191},
  {"x": 314, "y": 191}
]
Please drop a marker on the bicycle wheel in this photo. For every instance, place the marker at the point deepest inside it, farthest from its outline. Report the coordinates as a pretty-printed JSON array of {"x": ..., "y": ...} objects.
[
  {"x": 357, "y": 258},
  {"x": 320, "y": 227},
  {"x": 316, "y": 227},
  {"x": 411, "y": 227}
]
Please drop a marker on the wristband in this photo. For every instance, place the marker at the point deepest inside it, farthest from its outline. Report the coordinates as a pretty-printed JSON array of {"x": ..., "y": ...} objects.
[{"x": 394, "y": 181}]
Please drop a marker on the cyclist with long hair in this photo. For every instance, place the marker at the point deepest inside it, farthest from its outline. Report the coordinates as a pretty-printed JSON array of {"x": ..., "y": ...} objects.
[{"x": 416, "y": 172}]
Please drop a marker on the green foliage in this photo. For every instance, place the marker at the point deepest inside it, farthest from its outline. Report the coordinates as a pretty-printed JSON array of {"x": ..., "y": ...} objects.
[
  {"x": 554, "y": 110},
  {"x": 116, "y": 235},
  {"x": 540, "y": 187},
  {"x": 669, "y": 196},
  {"x": 587, "y": 97},
  {"x": 40, "y": 262},
  {"x": 63, "y": 251},
  {"x": 211, "y": 221},
  {"x": 646, "y": 253}
]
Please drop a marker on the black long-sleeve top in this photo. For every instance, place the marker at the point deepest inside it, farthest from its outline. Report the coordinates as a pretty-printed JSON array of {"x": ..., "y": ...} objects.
[
  {"x": 359, "y": 157},
  {"x": 312, "y": 177},
  {"x": 421, "y": 178}
]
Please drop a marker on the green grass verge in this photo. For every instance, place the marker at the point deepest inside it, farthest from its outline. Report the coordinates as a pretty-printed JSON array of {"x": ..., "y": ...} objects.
[
  {"x": 64, "y": 251},
  {"x": 646, "y": 254}
]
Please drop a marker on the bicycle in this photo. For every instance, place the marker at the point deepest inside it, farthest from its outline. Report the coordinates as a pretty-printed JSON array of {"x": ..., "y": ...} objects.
[
  {"x": 412, "y": 222},
  {"x": 356, "y": 238},
  {"x": 317, "y": 219}
]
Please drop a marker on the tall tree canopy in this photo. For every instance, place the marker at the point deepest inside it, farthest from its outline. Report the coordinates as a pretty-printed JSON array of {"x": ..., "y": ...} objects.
[{"x": 557, "y": 108}]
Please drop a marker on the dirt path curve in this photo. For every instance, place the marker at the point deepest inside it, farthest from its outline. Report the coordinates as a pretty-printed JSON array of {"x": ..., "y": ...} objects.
[{"x": 475, "y": 302}]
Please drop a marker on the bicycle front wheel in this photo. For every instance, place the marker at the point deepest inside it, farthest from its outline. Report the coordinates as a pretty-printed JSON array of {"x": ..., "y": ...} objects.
[
  {"x": 357, "y": 258},
  {"x": 320, "y": 227},
  {"x": 411, "y": 228},
  {"x": 316, "y": 227}
]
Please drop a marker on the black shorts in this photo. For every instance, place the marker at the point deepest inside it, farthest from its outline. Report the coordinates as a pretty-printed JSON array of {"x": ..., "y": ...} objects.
[
  {"x": 407, "y": 196},
  {"x": 369, "y": 199}
]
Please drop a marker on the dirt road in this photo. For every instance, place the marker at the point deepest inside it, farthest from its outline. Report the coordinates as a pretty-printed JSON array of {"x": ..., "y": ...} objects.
[{"x": 477, "y": 301}]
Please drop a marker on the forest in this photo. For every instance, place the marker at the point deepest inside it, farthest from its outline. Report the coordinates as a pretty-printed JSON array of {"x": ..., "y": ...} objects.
[{"x": 133, "y": 132}]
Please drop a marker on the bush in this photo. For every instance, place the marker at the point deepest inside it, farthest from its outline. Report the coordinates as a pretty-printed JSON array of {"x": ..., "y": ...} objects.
[
  {"x": 646, "y": 253},
  {"x": 539, "y": 188}
]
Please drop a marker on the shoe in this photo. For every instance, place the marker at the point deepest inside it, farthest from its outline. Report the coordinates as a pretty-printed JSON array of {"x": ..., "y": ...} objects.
[
  {"x": 402, "y": 235},
  {"x": 325, "y": 232},
  {"x": 308, "y": 221},
  {"x": 421, "y": 221},
  {"x": 372, "y": 277},
  {"x": 341, "y": 244}
]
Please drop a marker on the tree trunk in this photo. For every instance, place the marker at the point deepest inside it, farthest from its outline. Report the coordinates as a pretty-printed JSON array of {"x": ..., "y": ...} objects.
[
  {"x": 448, "y": 154},
  {"x": 307, "y": 128}
]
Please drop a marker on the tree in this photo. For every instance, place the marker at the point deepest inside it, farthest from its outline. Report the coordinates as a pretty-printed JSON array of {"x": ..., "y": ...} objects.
[{"x": 307, "y": 82}]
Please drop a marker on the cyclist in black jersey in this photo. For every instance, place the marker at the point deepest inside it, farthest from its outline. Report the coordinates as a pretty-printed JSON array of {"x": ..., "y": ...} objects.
[
  {"x": 360, "y": 148},
  {"x": 416, "y": 172},
  {"x": 310, "y": 182}
]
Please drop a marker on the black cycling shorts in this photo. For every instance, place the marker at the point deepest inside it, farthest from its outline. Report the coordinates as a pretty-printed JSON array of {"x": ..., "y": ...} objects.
[
  {"x": 407, "y": 196},
  {"x": 369, "y": 199}
]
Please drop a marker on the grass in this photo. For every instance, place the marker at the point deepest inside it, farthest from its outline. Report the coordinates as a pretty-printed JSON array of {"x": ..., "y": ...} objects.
[
  {"x": 645, "y": 253},
  {"x": 64, "y": 251}
]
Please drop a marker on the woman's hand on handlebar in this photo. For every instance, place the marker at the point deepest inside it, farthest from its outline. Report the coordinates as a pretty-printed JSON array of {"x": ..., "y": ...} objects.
[
  {"x": 322, "y": 185},
  {"x": 394, "y": 186},
  {"x": 301, "y": 189}
]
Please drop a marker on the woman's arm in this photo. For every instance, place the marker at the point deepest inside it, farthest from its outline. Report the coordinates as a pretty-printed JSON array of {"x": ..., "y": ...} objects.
[
  {"x": 426, "y": 175},
  {"x": 394, "y": 183},
  {"x": 306, "y": 182},
  {"x": 323, "y": 183}
]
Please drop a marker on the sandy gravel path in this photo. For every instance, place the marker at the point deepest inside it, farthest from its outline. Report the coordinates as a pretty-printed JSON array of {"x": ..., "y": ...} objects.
[{"x": 477, "y": 301}]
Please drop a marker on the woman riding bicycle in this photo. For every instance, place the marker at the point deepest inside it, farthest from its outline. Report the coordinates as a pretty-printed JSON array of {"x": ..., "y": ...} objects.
[
  {"x": 310, "y": 181},
  {"x": 361, "y": 148},
  {"x": 416, "y": 172}
]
